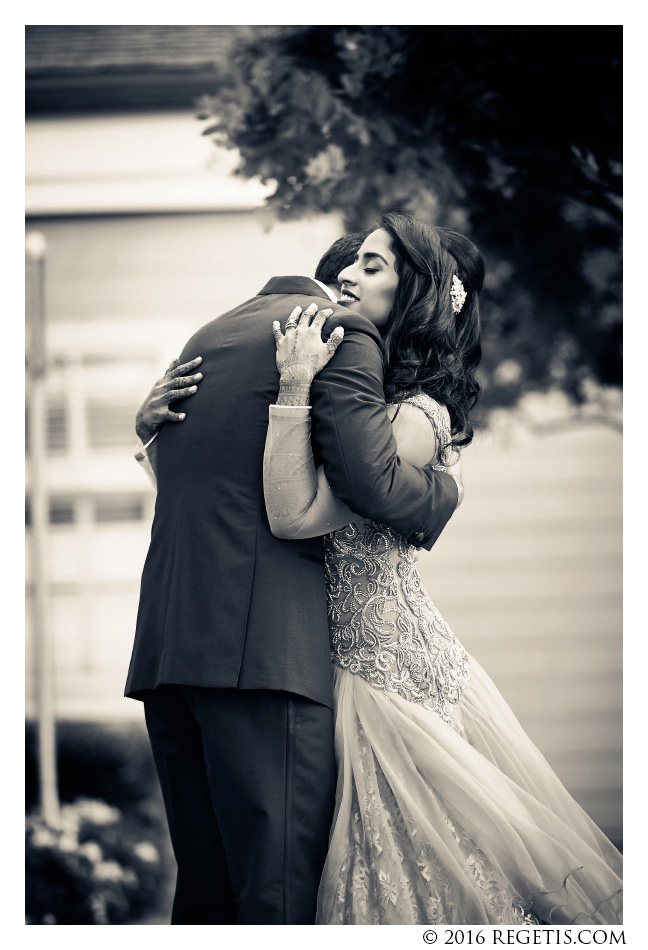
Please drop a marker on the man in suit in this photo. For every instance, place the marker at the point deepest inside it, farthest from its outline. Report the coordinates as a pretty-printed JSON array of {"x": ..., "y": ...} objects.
[{"x": 231, "y": 655}]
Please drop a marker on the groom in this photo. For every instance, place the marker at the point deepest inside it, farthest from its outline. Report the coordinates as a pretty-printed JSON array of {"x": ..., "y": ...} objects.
[{"x": 231, "y": 655}]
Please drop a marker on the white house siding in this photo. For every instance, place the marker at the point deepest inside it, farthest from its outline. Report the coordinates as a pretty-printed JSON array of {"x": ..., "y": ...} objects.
[
  {"x": 527, "y": 573},
  {"x": 123, "y": 296}
]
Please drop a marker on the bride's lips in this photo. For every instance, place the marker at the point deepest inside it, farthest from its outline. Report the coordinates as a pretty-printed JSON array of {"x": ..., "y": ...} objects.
[{"x": 348, "y": 297}]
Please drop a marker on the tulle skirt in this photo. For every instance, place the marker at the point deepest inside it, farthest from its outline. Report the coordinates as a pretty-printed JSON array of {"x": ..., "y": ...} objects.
[{"x": 462, "y": 824}]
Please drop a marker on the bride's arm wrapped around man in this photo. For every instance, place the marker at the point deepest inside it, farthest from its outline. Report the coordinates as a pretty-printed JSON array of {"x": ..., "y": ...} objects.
[{"x": 299, "y": 500}]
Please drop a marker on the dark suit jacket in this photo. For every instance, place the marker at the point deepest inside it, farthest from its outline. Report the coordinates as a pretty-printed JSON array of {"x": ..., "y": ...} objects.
[{"x": 223, "y": 602}]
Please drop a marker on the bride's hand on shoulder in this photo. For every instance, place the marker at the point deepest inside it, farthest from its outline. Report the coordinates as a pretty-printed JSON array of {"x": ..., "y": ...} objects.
[
  {"x": 178, "y": 382},
  {"x": 301, "y": 352}
]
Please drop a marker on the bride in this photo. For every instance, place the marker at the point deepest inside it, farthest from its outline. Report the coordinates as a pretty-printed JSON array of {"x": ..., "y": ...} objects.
[{"x": 446, "y": 813}]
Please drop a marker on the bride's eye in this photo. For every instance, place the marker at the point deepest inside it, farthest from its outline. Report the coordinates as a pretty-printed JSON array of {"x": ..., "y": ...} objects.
[{"x": 371, "y": 270}]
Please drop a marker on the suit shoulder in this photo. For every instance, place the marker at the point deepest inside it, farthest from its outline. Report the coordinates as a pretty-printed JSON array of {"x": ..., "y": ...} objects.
[{"x": 352, "y": 321}]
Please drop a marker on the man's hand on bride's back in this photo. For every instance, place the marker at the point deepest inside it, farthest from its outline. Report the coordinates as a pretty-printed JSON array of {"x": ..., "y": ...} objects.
[
  {"x": 177, "y": 383},
  {"x": 301, "y": 352}
]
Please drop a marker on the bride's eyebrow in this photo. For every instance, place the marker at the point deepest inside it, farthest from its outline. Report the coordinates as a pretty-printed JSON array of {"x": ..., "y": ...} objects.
[{"x": 368, "y": 255}]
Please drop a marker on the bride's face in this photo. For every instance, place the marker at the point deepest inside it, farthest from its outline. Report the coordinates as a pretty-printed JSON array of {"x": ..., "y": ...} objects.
[{"x": 370, "y": 282}]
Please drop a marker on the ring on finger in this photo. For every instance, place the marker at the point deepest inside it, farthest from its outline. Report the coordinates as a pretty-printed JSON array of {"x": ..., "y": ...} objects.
[{"x": 291, "y": 325}]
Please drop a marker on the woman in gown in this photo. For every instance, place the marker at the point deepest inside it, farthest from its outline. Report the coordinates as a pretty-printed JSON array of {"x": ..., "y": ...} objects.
[{"x": 446, "y": 813}]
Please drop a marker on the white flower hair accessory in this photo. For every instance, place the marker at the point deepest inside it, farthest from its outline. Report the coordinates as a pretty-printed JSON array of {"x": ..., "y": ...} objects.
[{"x": 458, "y": 294}]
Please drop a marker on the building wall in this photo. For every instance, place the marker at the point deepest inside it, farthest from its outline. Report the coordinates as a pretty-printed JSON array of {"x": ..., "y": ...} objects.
[
  {"x": 527, "y": 573},
  {"x": 123, "y": 295}
]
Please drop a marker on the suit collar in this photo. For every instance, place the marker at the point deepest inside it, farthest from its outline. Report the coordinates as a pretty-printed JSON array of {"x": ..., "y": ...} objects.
[{"x": 293, "y": 285}]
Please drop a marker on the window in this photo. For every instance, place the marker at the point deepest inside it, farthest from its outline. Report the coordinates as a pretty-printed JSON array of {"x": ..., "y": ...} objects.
[
  {"x": 62, "y": 510},
  {"x": 57, "y": 427},
  {"x": 113, "y": 508},
  {"x": 56, "y": 424},
  {"x": 110, "y": 423}
]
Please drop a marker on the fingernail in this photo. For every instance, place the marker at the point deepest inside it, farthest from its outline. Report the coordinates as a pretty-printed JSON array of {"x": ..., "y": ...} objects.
[
  {"x": 199, "y": 359},
  {"x": 192, "y": 389},
  {"x": 198, "y": 376},
  {"x": 327, "y": 313},
  {"x": 182, "y": 416}
]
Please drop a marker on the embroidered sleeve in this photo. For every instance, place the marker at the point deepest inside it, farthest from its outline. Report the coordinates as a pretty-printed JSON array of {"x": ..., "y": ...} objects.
[{"x": 299, "y": 501}]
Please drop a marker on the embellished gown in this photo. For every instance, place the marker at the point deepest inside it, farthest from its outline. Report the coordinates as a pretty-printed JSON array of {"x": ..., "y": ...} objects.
[{"x": 446, "y": 813}]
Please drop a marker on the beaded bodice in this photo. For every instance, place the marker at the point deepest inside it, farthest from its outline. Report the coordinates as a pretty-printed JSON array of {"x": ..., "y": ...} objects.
[{"x": 384, "y": 626}]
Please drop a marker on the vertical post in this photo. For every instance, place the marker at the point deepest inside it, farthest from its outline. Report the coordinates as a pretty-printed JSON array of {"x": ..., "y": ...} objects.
[{"x": 35, "y": 253}]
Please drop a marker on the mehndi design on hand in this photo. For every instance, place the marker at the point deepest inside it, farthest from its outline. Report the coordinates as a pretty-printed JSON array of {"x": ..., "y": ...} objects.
[
  {"x": 302, "y": 353},
  {"x": 174, "y": 385}
]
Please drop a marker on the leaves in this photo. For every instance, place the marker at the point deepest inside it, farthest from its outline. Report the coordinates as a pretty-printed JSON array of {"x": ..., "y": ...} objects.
[{"x": 511, "y": 134}]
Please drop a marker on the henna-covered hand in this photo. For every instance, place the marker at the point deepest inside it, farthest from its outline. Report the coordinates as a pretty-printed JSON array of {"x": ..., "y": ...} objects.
[
  {"x": 177, "y": 383},
  {"x": 302, "y": 353}
]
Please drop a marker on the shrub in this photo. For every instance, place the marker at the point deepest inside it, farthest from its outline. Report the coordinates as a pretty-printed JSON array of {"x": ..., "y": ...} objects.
[
  {"x": 97, "y": 868},
  {"x": 110, "y": 861},
  {"x": 109, "y": 761}
]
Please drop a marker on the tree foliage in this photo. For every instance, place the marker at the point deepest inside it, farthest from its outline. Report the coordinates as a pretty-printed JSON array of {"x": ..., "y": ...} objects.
[{"x": 510, "y": 134}]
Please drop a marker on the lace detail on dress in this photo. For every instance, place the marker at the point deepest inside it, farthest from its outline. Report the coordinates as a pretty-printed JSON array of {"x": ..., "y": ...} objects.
[
  {"x": 439, "y": 819},
  {"x": 384, "y": 627},
  {"x": 393, "y": 873}
]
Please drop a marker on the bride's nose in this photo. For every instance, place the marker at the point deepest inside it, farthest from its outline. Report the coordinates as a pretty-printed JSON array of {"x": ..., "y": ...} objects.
[{"x": 346, "y": 275}]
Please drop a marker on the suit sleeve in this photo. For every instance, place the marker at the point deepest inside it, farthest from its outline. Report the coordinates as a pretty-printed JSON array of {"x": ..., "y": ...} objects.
[{"x": 352, "y": 434}]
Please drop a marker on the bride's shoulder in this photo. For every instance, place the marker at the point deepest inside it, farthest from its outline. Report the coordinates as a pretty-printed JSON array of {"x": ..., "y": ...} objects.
[
  {"x": 421, "y": 426},
  {"x": 413, "y": 404}
]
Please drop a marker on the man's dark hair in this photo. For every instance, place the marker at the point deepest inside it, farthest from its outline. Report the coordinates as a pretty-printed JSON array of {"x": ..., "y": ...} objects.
[{"x": 339, "y": 255}]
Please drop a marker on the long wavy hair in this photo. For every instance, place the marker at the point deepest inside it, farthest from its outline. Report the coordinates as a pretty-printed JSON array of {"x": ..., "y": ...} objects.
[{"x": 427, "y": 347}]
